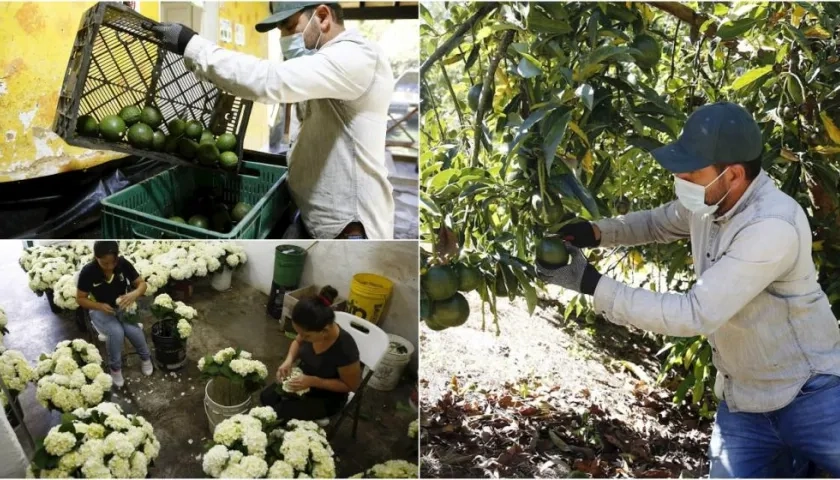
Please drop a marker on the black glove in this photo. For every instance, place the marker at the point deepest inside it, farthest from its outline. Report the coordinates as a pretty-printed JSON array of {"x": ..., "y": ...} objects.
[
  {"x": 579, "y": 275},
  {"x": 175, "y": 36},
  {"x": 579, "y": 234}
]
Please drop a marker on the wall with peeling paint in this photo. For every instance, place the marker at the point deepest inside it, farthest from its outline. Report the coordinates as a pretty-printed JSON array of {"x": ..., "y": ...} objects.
[{"x": 31, "y": 76}]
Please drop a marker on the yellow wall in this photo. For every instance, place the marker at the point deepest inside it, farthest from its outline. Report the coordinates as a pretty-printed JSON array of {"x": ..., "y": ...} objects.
[
  {"x": 36, "y": 40},
  {"x": 248, "y": 14}
]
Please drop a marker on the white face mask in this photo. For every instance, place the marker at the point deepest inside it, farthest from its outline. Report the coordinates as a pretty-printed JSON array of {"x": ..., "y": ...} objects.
[
  {"x": 693, "y": 196},
  {"x": 294, "y": 46}
]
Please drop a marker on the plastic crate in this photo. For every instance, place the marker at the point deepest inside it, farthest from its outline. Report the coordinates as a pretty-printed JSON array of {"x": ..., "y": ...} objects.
[
  {"x": 142, "y": 210},
  {"x": 115, "y": 62}
]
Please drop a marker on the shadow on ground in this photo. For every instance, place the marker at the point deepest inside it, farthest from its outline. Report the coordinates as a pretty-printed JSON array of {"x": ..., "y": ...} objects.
[{"x": 174, "y": 402}]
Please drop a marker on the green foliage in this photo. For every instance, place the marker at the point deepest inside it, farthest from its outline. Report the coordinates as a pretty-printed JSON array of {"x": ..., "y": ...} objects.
[{"x": 576, "y": 108}]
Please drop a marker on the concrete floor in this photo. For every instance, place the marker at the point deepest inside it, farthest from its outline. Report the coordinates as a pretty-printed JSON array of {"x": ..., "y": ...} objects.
[{"x": 173, "y": 403}]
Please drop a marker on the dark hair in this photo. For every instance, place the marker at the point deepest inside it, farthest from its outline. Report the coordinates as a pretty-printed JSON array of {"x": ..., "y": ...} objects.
[
  {"x": 751, "y": 168},
  {"x": 314, "y": 314},
  {"x": 105, "y": 247},
  {"x": 335, "y": 9}
]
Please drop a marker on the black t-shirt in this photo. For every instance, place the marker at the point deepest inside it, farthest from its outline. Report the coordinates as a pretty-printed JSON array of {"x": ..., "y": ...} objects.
[
  {"x": 342, "y": 353},
  {"x": 92, "y": 280}
]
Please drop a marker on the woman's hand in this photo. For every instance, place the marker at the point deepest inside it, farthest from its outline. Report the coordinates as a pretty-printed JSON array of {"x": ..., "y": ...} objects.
[
  {"x": 104, "y": 307},
  {"x": 127, "y": 299},
  {"x": 284, "y": 371},
  {"x": 302, "y": 382}
]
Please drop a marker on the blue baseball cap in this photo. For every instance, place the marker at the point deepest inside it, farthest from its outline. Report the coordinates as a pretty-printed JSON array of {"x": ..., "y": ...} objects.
[
  {"x": 281, "y": 11},
  {"x": 719, "y": 133}
]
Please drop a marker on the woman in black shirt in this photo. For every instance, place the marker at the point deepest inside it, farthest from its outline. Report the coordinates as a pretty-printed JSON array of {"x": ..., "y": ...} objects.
[
  {"x": 105, "y": 289},
  {"x": 329, "y": 359}
]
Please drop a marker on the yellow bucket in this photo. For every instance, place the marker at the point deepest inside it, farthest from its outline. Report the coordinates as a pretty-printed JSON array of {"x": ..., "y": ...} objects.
[{"x": 368, "y": 295}]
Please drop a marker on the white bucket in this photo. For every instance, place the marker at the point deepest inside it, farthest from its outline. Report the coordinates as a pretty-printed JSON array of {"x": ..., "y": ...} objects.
[
  {"x": 221, "y": 279},
  {"x": 390, "y": 368},
  {"x": 217, "y": 413}
]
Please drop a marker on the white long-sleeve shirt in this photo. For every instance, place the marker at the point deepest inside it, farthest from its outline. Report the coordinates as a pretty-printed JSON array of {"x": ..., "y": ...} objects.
[
  {"x": 337, "y": 172},
  {"x": 756, "y": 297}
]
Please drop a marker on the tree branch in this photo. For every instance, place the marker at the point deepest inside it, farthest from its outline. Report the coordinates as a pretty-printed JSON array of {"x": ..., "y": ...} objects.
[
  {"x": 453, "y": 41},
  {"x": 687, "y": 15},
  {"x": 486, "y": 94}
]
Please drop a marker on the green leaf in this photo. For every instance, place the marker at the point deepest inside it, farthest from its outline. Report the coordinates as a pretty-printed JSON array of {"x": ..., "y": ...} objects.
[
  {"x": 442, "y": 179},
  {"x": 645, "y": 143},
  {"x": 428, "y": 205},
  {"x": 558, "y": 120},
  {"x": 609, "y": 52},
  {"x": 528, "y": 68},
  {"x": 586, "y": 93},
  {"x": 601, "y": 174},
  {"x": 658, "y": 125},
  {"x": 528, "y": 287},
  {"x": 679, "y": 396},
  {"x": 539, "y": 21},
  {"x": 570, "y": 186},
  {"x": 750, "y": 77},
  {"x": 733, "y": 28}
]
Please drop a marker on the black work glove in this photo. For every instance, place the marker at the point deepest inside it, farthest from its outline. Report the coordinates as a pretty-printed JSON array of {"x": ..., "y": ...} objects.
[
  {"x": 579, "y": 234},
  {"x": 175, "y": 36},
  {"x": 579, "y": 275}
]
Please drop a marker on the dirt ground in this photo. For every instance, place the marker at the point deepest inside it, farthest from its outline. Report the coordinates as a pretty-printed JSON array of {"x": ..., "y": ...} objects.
[{"x": 550, "y": 399}]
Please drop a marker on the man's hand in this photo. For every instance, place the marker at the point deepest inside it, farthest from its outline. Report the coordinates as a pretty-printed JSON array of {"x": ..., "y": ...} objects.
[
  {"x": 581, "y": 234},
  {"x": 175, "y": 36},
  {"x": 302, "y": 382},
  {"x": 579, "y": 275},
  {"x": 104, "y": 307},
  {"x": 283, "y": 372}
]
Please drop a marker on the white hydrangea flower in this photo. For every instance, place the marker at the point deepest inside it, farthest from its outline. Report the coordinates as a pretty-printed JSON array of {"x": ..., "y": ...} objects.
[
  {"x": 118, "y": 422},
  {"x": 255, "y": 441},
  {"x": 394, "y": 469},
  {"x": 78, "y": 379},
  {"x": 139, "y": 465},
  {"x": 136, "y": 436},
  {"x": 108, "y": 409},
  {"x": 58, "y": 443},
  {"x": 201, "y": 364},
  {"x": 245, "y": 355},
  {"x": 66, "y": 366},
  {"x": 296, "y": 372},
  {"x": 104, "y": 381},
  {"x": 254, "y": 466},
  {"x": 15, "y": 370},
  {"x": 266, "y": 414},
  {"x": 94, "y": 468},
  {"x": 184, "y": 329},
  {"x": 185, "y": 311},
  {"x": 224, "y": 355},
  {"x": 165, "y": 301},
  {"x": 92, "y": 370},
  {"x": 92, "y": 394},
  {"x": 281, "y": 469},
  {"x": 71, "y": 461},
  {"x": 120, "y": 467},
  {"x": 413, "y": 428},
  {"x": 232, "y": 260},
  {"x": 215, "y": 460},
  {"x": 152, "y": 449},
  {"x": 95, "y": 432}
]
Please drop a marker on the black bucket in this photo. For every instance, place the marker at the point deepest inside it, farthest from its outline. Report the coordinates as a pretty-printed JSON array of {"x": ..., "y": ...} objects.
[
  {"x": 50, "y": 299},
  {"x": 170, "y": 350},
  {"x": 276, "y": 298}
]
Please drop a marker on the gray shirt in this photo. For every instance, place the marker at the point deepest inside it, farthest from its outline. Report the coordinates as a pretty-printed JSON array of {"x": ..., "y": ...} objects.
[{"x": 756, "y": 297}]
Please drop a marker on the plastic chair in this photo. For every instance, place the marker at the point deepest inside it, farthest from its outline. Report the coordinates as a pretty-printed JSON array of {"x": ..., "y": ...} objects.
[{"x": 373, "y": 343}]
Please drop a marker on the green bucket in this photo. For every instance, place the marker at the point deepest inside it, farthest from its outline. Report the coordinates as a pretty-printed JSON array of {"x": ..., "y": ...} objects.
[{"x": 288, "y": 265}]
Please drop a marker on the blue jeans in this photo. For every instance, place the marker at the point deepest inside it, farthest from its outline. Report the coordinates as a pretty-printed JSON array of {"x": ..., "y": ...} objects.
[
  {"x": 117, "y": 331},
  {"x": 786, "y": 443}
]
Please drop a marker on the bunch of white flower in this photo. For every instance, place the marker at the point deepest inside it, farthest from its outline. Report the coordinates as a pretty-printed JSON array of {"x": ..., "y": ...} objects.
[
  {"x": 296, "y": 372},
  {"x": 306, "y": 449},
  {"x": 245, "y": 367},
  {"x": 156, "y": 277},
  {"x": 165, "y": 301},
  {"x": 64, "y": 384},
  {"x": 235, "y": 255},
  {"x": 244, "y": 444},
  {"x": 15, "y": 371},
  {"x": 164, "y": 305},
  {"x": 213, "y": 252},
  {"x": 45, "y": 272},
  {"x": 99, "y": 442},
  {"x": 33, "y": 254},
  {"x": 412, "y": 429},
  {"x": 391, "y": 469},
  {"x": 184, "y": 329},
  {"x": 65, "y": 292}
]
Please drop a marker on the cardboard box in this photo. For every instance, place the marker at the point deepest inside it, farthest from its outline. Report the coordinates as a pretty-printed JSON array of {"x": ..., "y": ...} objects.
[{"x": 291, "y": 298}]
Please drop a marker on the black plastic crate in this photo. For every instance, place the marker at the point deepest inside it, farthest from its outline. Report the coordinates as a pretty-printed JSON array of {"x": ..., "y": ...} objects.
[{"x": 116, "y": 62}]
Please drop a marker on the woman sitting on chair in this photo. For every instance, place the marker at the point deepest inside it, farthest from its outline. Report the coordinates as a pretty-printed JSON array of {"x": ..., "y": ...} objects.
[
  {"x": 103, "y": 289},
  {"x": 329, "y": 359}
]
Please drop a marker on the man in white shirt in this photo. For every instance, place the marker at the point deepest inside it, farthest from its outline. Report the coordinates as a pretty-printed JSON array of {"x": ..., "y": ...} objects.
[{"x": 342, "y": 84}]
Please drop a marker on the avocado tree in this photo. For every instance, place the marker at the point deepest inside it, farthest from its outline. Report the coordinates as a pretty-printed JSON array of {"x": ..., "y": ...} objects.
[{"x": 535, "y": 114}]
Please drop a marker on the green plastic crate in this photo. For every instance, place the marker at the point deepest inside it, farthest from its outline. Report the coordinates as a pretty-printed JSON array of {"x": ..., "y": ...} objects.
[{"x": 142, "y": 210}]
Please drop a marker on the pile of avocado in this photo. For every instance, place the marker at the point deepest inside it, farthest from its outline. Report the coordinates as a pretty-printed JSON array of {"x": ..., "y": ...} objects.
[
  {"x": 207, "y": 210},
  {"x": 191, "y": 140}
]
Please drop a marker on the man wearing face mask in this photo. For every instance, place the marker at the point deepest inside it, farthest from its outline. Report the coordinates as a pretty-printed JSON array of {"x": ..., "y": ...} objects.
[
  {"x": 342, "y": 84},
  {"x": 774, "y": 339}
]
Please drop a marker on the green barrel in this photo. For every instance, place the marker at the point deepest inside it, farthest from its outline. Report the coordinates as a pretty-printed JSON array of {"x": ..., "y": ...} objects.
[{"x": 288, "y": 265}]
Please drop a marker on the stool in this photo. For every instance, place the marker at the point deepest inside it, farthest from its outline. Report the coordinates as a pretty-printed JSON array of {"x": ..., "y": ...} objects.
[{"x": 103, "y": 338}]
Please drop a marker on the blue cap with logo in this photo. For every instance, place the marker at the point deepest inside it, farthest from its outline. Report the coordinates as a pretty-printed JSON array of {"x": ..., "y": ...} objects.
[
  {"x": 281, "y": 11},
  {"x": 719, "y": 133}
]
